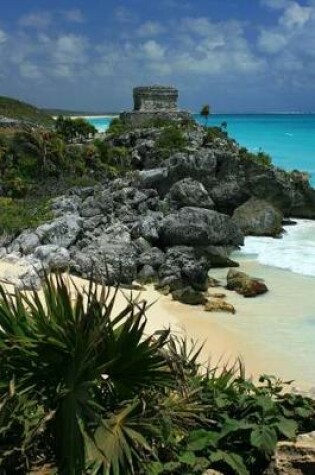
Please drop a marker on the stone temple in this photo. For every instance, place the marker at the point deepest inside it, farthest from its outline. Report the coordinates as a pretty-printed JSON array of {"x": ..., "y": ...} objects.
[{"x": 154, "y": 102}]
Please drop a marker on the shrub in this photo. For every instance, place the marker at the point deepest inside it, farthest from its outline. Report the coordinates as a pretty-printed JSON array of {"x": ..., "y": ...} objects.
[
  {"x": 261, "y": 158},
  {"x": 171, "y": 140},
  {"x": 213, "y": 133},
  {"x": 16, "y": 215}
]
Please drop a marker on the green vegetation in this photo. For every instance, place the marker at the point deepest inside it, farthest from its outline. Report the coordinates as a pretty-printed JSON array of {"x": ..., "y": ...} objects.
[
  {"x": 213, "y": 133},
  {"x": 19, "y": 110},
  {"x": 205, "y": 113},
  {"x": 171, "y": 140},
  {"x": 260, "y": 158},
  {"x": 85, "y": 390},
  {"x": 70, "y": 129},
  {"x": 16, "y": 215}
]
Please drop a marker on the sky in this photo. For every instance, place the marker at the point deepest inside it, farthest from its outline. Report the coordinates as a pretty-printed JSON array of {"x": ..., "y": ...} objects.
[{"x": 236, "y": 55}]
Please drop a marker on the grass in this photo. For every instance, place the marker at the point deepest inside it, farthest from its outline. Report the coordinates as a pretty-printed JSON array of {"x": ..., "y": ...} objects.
[
  {"x": 19, "y": 110},
  {"x": 16, "y": 215}
]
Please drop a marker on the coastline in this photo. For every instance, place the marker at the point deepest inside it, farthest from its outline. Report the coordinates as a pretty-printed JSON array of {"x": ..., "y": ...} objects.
[{"x": 264, "y": 332}]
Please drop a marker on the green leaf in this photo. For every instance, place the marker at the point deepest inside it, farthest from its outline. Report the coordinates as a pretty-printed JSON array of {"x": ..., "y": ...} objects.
[
  {"x": 201, "y": 439},
  {"x": 231, "y": 459},
  {"x": 287, "y": 427},
  {"x": 189, "y": 458},
  {"x": 154, "y": 468},
  {"x": 264, "y": 438}
]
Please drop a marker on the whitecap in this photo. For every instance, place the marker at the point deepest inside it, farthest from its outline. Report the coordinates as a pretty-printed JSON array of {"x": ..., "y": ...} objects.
[{"x": 295, "y": 251}]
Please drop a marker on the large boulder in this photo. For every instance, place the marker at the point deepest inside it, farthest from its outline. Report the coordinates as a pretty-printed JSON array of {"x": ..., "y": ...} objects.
[
  {"x": 62, "y": 231},
  {"x": 244, "y": 284},
  {"x": 188, "y": 296},
  {"x": 257, "y": 217},
  {"x": 199, "y": 227},
  {"x": 189, "y": 192},
  {"x": 55, "y": 258},
  {"x": 183, "y": 268}
]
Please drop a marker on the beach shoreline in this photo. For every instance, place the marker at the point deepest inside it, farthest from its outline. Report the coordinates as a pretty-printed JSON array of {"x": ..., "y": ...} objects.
[{"x": 260, "y": 334}]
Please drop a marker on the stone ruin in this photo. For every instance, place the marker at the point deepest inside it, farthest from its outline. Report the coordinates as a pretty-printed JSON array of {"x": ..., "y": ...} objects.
[{"x": 154, "y": 102}]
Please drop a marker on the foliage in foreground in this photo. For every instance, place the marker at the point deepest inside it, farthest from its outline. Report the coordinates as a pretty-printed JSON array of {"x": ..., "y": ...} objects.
[{"x": 85, "y": 390}]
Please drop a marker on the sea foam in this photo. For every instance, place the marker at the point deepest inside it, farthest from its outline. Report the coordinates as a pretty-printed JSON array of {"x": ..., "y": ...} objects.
[{"x": 294, "y": 251}]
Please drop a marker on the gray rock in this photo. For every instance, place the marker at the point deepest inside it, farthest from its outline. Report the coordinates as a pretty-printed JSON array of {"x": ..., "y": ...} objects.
[
  {"x": 62, "y": 231},
  {"x": 26, "y": 242},
  {"x": 258, "y": 218},
  {"x": 189, "y": 192},
  {"x": 153, "y": 257},
  {"x": 90, "y": 207},
  {"x": 148, "y": 226},
  {"x": 183, "y": 268},
  {"x": 147, "y": 275},
  {"x": 65, "y": 204},
  {"x": 199, "y": 227},
  {"x": 109, "y": 262},
  {"x": 56, "y": 258},
  {"x": 189, "y": 296}
]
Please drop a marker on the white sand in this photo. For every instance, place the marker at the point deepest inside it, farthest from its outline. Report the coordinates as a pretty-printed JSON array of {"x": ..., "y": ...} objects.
[{"x": 265, "y": 332}]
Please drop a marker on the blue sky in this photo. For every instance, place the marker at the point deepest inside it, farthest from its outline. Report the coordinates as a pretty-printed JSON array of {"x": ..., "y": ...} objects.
[{"x": 237, "y": 55}]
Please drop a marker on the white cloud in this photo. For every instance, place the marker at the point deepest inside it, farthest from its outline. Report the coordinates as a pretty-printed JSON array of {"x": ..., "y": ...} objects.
[
  {"x": 272, "y": 41},
  {"x": 70, "y": 49},
  {"x": 30, "y": 71},
  {"x": 295, "y": 15},
  {"x": 3, "y": 37},
  {"x": 36, "y": 20},
  {"x": 73, "y": 16},
  {"x": 124, "y": 15},
  {"x": 275, "y": 4},
  {"x": 150, "y": 28},
  {"x": 153, "y": 50}
]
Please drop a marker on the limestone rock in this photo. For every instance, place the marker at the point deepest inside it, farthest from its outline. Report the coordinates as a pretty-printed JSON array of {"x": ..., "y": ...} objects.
[
  {"x": 188, "y": 296},
  {"x": 294, "y": 458},
  {"x": 189, "y": 192},
  {"x": 183, "y": 268},
  {"x": 244, "y": 284},
  {"x": 199, "y": 227},
  {"x": 147, "y": 275},
  {"x": 257, "y": 217},
  {"x": 56, "y": 258},
  {"x": 153, "y": 257},
  {"x": 219, "y": 305},
  {"x": 62, "y": 231}
]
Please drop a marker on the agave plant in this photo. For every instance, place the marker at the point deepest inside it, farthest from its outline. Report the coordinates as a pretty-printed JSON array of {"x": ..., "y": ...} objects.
[{"x": 86, "y": 366}]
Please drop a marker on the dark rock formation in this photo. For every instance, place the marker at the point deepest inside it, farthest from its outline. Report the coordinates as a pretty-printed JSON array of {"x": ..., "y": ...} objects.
[
  {"x": 257, "y": 217},
  {"x": 188, "y": 296},
  {"x": 199, "y": 227},
  {"x": 189, "y": 192},
  {"x": 244, "y": 284}
]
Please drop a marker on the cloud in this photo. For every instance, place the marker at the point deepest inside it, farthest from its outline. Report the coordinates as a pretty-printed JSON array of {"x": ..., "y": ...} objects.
[
  {"x": 153, "y": 50},
  {"x": 150, "y": 28},
  {"x": 30, "y": 71},
  {"x": 295, "y": 15},
  {"x": 272, "y": 41},
  {"x": 275, "y": 4},
  {"x": 73, "y": 16},
  {"x": 36, "y": 19},
  {"x": 3, "y": 37},
  {"x": 124, "y": 15}
]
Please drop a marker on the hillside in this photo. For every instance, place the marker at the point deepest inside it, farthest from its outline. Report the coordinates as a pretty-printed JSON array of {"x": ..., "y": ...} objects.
[{"x": 19, "y": 110}]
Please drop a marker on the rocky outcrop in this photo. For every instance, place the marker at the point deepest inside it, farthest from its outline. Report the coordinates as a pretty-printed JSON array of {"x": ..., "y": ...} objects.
[
  {"x": 189, "y": 192},
  {"x": 294, "y": 458},
  {"x": 244, "y": 284},
  {"x": 257, "y": 217},
  {"x": 199, "y": 227},
  {"x": 188, "y": 296}
]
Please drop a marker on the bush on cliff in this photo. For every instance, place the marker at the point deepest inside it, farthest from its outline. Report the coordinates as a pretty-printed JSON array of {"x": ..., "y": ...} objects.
[
  {"x": 261, "y": 157},
  {"x": 171, "y": 140},
  {"x": 86, "y": 390}
]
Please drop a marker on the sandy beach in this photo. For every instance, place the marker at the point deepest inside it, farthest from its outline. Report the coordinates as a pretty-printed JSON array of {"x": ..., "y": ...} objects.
[{"x": 266, "y": 332}]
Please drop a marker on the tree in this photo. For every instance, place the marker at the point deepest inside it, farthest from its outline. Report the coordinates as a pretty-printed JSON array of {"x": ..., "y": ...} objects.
[
  {"x": 205, "y": 112},
  {"x": 70, "y": 129}
]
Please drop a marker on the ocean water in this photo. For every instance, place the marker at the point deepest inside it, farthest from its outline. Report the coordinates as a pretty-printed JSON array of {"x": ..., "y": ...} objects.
[{"x": 294, "y": 251}]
